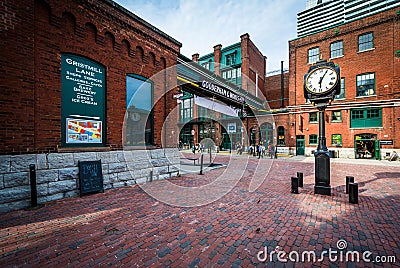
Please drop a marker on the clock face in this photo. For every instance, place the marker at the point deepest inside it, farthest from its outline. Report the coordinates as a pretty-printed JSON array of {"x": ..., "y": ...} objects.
[
  {"x": 321, "y": 80},
  {"x": 135, "y": 116}
]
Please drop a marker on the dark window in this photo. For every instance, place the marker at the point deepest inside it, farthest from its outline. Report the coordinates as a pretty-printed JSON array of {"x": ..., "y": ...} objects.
[
  {"x": 313, "y": 139},
  {"x": 281, "y": 135},
  {"x": 230, "y": 59},
  {"x": 267, "y": 133},
  {"x": 365, "y": 85},
  {"x": 313, "y": 117},
  {"x": 337, "y": 49},
  {"x": 365, "y": 41},
  {"x": 336, "y": 116},
  {"x": 313, "y": 55}
]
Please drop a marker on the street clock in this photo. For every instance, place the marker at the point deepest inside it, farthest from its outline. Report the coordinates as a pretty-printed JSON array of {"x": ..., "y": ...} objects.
[{"x": 322, "y": 82}]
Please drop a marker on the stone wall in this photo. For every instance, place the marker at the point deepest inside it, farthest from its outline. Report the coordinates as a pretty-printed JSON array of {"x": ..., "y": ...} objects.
[{"x": 57, "y": 174}]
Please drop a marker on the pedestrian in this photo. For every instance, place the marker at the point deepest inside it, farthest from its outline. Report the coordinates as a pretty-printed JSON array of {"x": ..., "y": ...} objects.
[
  {"x": 269, "y": 150},
  {"x": 276, "y": 151},
  {"x": 272, "y": 151},
  {"x": 259, "y": 150}
]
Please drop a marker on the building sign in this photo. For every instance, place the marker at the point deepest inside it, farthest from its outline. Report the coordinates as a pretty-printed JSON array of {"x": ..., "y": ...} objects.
[
  {"x": 231, "y": 128},
  {"x": 386, "y": 142},
  {"x": 83, "y": 101},
  {"x": 223, "y": 92}
]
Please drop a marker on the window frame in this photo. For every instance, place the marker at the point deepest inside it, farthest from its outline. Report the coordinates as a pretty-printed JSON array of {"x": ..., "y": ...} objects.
[
  {"x": 362, "y": 44},
  {"x": 183, "y": 110},
  {"x": 151, "y": 140},
  {"x": 333, "y": 139},
  {"x": 337, "y": 120},
  {"x": 360, "y": 85},
  {"x": 310, "y": 117},
  {"x": 342, "y": 94},
  {"x": 312, "y": 58},
  {"x": 314, "y": 139},
  {"x": 230, "y": 59},
  {"x": 338, "y": 52}
]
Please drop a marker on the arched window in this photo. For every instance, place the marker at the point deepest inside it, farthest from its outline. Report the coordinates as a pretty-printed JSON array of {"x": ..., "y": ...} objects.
[{"x": 267, "y": 133}]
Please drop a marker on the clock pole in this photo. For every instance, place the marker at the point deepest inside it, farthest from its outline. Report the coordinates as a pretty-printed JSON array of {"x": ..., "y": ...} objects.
[
  {"x": 322, "y": 158},
  {"x": 321, "y": 85}
]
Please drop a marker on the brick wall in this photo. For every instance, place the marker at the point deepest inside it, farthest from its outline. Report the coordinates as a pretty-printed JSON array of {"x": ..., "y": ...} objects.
[
  {"x": 273, "y": 92},
  {"x": 33, "y": 36}
]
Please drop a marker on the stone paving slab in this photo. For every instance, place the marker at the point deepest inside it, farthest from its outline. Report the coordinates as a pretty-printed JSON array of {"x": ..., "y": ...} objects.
[{"x": 126, "y": 227}]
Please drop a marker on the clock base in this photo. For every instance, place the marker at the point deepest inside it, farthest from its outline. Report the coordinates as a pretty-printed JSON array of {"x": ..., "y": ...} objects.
[{"x": 323, "y": 190}]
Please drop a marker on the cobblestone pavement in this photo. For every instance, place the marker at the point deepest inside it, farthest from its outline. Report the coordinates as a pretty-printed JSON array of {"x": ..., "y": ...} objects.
[{"x": 126, "y": 227}]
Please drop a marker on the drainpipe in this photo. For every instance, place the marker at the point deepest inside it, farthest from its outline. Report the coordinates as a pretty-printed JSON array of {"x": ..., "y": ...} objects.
[{"x": 282, "y": 86}]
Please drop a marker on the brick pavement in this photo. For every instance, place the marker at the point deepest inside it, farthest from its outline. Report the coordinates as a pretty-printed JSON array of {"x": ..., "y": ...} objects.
[{"x": 126, "y": 227}]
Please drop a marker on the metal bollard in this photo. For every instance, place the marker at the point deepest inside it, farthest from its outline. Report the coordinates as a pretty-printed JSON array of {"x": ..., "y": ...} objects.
[
  {"x": 300, "y": 176},
  {"x": 353, "y": 193},
  {"x": 32, "y": 178},
  {"x": 151, "y": 176},
  {"x": 201, "y": 165},
  {"x": 349, "y": 179},
  {"x": 295, "y": 185}
]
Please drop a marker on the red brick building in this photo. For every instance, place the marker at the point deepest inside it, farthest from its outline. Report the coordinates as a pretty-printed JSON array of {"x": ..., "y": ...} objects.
[
  {"x": 364, "y": 121},
  {"x": 37, "y": 35},
  {"x": 82, "y": 80}
]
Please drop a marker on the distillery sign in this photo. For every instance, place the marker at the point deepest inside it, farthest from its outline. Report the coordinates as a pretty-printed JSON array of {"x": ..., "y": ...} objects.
[
  {"x": 83, "y": 101},
  {"x": 226, "y": 93}
]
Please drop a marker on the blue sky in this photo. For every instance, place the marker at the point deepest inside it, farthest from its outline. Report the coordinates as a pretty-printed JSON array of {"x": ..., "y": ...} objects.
[{"x": 201, "y": 24}]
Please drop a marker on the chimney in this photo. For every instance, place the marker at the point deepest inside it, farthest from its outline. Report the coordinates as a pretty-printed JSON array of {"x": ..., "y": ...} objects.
[
  {"x": 195, "y": 57},
  {"x": 217, "y": 59}
]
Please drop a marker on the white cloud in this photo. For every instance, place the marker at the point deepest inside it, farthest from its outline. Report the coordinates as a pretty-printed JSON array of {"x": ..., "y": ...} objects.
[{"x": 201, "y": 24}]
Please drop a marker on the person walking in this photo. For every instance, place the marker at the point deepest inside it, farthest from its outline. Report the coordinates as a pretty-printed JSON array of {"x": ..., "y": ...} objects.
[{"x": 259, "y": 150}]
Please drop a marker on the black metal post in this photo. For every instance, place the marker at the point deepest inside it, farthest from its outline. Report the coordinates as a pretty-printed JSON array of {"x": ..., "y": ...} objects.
[
  {"x": 349, "y": 179},
  {"x": 353, "y": 193},
  {"x": 300, "y": 176},
  {"x": 295, "y": 185},
  {"x": 201, "y": 165},
  {"x": 322, "y": 159},
  {"x": 32, "y": 177}
]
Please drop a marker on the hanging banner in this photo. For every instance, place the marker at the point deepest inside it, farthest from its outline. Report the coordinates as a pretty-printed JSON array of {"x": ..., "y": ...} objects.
[
  {"x": 82, "y": 102},
  {"x": 216, "y": 106}
]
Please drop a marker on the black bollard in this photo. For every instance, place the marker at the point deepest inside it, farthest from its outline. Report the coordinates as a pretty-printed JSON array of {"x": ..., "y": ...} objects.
[
  {"x": 201, "y": 165},
  {"x": 349, "y": 179},
  {"x": 32, "y": 177},
  {"x": 295, "y": 185},
  {"x": 353, "y": 193},
  {"x": 300, "y": 176},
  {"x": 151, "y": 176}
]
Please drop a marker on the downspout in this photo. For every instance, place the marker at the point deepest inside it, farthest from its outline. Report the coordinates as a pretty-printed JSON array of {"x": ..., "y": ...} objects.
[
  {"x": 256, "y": 85},
  {"x": 282, "y": 86}
]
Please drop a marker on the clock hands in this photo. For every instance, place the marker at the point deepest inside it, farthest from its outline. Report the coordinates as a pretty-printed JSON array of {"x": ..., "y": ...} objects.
[{"x": 322, "y": 78}]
